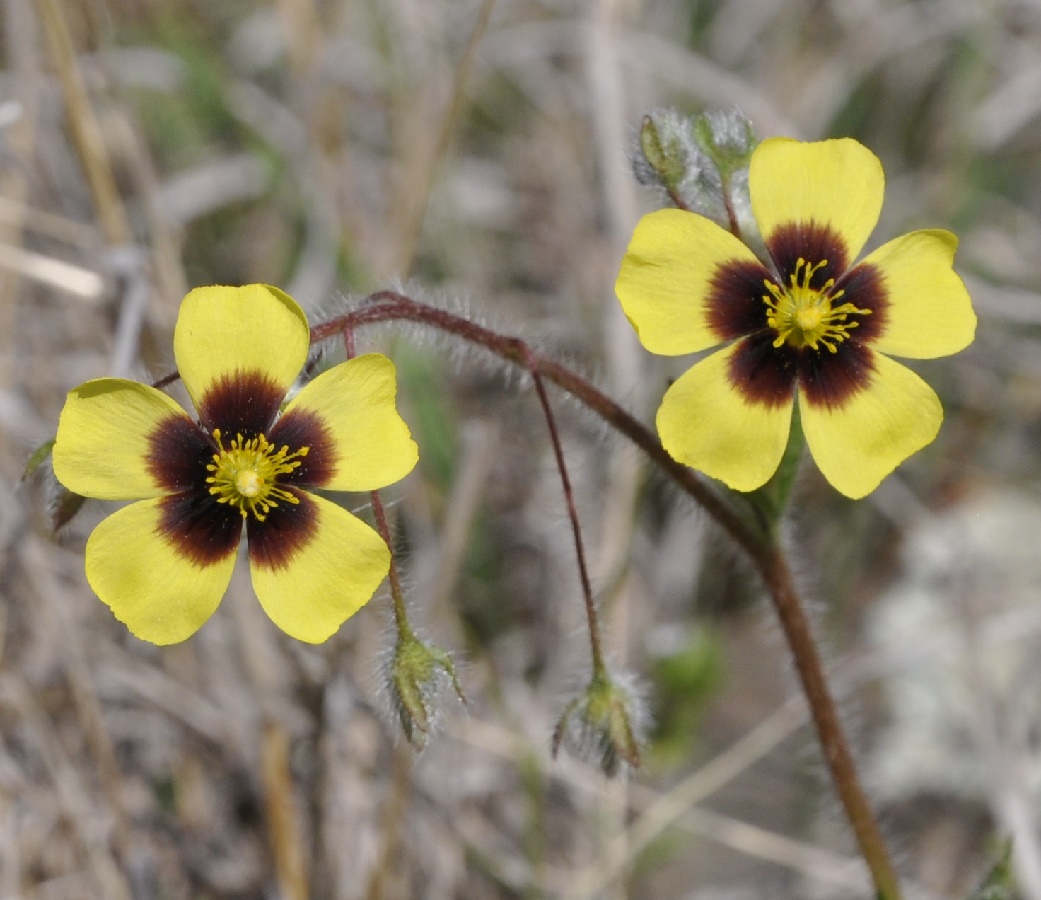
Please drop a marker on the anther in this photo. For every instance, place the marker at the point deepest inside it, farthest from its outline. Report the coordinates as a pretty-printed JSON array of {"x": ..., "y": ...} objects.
[{"x": 806, "y": 316}]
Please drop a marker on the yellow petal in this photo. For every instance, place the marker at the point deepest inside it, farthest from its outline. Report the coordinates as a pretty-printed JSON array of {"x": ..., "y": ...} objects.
[
  {"x": 105, "y": 437},
  {"x": 161, "y": 595},
  {"x": 332, "y": 571},
  {"x": 706, "y": 423},
  {"x": 929, "y": 312},
  {"x": 256, "y": 329},
  {"x": 360, "y": 441},
  {"x": 856, "y": 445},
  {"x": 666, "y": 276},
  {"x": 838, "y": 183}
]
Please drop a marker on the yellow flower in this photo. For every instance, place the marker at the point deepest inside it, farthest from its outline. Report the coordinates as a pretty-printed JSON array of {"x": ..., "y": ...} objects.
[
  {"x": 807, "y": 326},
  {"x": 163, "y": 563}
]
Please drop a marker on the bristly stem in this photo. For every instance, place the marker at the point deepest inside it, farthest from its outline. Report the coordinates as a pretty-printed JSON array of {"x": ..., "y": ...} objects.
[
  {"x": 728, "y": 205},
  {"x": 380, "y": 514},
  {"x": 777, "y": 576},
  {"x": 592, "y": 620},
  {"x": 398, "y": 595},
  {"x": 389, "y": 306},
  {"x": 748, "y": 532},
  {"x": 166, "y": 380}
]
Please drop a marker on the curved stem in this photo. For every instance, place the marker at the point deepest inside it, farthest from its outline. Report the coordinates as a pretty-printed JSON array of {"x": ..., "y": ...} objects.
[
  {"x": 592, "y": 620},
  {"x": 382, "y": 526},
  {"x": 396, "y": 592},
  {"x": 757, "y": 540},
  {"x": 389, "y": 306}
]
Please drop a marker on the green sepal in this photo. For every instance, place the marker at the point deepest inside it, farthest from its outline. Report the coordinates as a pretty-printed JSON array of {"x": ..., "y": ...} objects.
[
  {"x": 416, "y": 675},
  {"x": 39, "y": 456},
  {"x": 602, "y": 717},
  {"x": 771, "y": 500}
]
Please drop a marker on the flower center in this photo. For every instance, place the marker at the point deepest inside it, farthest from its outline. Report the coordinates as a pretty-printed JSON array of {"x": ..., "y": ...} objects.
[
  {"x": 245, "y": 474},
  {"x": 806, "y": 316}
]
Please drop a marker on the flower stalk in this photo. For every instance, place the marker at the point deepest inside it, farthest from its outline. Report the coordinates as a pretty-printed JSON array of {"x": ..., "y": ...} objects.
[
  {"x": 394, "y": 579},
  {"x": 417, "y": 671},
  {"x": 383, "y": 528},
  {"x": 592, "y": 619},
  {"x": 776, "y": 573}
]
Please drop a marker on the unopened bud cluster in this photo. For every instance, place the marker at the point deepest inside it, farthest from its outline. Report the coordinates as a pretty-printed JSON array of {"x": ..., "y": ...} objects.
[
  {"x": 418, "y": 677},
  {"x": 700, "y": 163},
  {"x": 603, "y": 724}
]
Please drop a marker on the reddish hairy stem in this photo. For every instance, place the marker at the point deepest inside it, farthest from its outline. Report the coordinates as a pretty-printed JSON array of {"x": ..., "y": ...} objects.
[
  {"x": 728, "y": 205},
  {"x": 753, "y": 537},
  {"x": 166, "y": 380},
  {"x": 595, "y": 646},
  {"x": 777, "y": 576},
  {"x": 676, "y": 199},
  {"x": 397, "y": 594},
  {"x": 382, "y": 526},
  {"x": 387, "y": 306}
]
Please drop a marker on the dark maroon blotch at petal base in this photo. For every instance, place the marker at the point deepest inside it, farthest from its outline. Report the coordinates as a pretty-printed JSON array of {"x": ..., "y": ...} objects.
[
  {"x": 178, "y": 453},
  {"x": 300, "y": 428},
  {"x": 864, "y": 287},
  {"x": 198, "y": 527},
  {"x": 763, "y": 373},
  {"x": 813, "y": 243},
  {"x": 244, "y": 403},
  {"x": 288, "y": 528},
  {"x": 735, "y": 305},
  {"x": 829, "y": 380}
]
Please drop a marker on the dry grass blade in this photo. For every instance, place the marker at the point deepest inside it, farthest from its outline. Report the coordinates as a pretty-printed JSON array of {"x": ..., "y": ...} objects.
[
  {"x": 283, "y": 820},
  {"x": 83, "y": 122}
]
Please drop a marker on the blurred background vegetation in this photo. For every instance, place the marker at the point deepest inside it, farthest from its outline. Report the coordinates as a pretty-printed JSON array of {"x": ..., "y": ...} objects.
[{"x": 477, "y": 151}]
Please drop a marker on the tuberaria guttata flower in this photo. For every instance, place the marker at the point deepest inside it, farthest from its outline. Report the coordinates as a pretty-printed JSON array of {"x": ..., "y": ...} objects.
[
  {"x": 806, "y": 326},
  {"x": 164, "y": 562}
]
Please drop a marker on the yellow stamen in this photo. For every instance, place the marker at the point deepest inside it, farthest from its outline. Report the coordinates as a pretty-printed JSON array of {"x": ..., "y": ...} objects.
[
  {"x": 245, "y": 474},
  {"x": 806, "y": 316}
]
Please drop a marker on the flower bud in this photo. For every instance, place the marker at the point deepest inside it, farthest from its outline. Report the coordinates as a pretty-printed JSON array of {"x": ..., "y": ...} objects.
[
  {"x": 669, "y": 158},
  {"x": 727, "y": 137},
  {"x": 603, "y": 724},
  {"x": 418, "y": 676},
  {"x": 666, "y": 149},
  {"x": 700, "y": 163}
]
